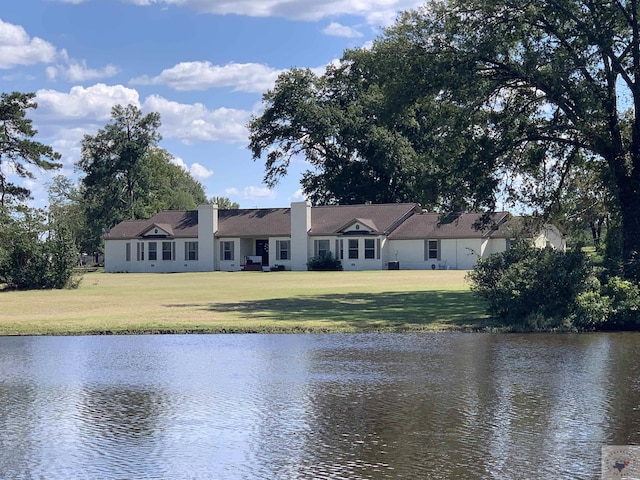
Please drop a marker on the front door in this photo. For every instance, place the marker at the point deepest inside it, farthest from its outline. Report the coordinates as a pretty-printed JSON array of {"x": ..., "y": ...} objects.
[{"x": 262, "y": 250}]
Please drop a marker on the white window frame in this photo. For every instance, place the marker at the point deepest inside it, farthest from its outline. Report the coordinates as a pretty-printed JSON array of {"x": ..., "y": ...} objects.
[
  {"x": 190, "y": 248},
  {"x": 317, "y": 247},
  {"x": 152, "y": 251},
  {"x": 283, "y": 246},
  {"x": 370, "y": 251},
  {"x": 432, "y": 250},
  {"x": 353, "y": 252},
  {"x": 227, "y": 247}
]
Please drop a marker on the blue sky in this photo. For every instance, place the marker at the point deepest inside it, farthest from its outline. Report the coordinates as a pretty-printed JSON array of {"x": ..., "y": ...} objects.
[{"x": 202, "y": 64}]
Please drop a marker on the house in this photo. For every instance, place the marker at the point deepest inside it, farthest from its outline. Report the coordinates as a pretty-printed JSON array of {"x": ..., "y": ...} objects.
[{"x": 363, "y": 237}]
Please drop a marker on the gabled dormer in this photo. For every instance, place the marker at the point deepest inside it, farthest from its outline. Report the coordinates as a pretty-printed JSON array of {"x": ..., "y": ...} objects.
[
  {"x": 157, "y": 230},
  {"x": 359, "y": 226}
]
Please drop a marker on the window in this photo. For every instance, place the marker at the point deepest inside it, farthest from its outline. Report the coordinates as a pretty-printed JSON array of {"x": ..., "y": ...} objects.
[
  {"x": 168, "y": 250},
  {"x": 282, "y": 249},
  {"x": 353, "y": 248},
  {"x": 321, "y": 248},
  {"x": 127, "y": 252},
  {"x": 369, "y": 248},
  {"x": 226, "y": 251},
  {"x": 432, "y": 249},
  {"x": 191, "y": 251},
  {"x": 153, "y": 251},
  {"x": 140, "y": 252},
  {"x": 340, "y": 249}
]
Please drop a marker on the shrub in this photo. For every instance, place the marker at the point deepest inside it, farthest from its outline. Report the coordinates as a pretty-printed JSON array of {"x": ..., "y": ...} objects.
[
  {"x": 624, "y": 300},
  {"x": 325, "y": 263},
  {"x": 536, "y": 289}
]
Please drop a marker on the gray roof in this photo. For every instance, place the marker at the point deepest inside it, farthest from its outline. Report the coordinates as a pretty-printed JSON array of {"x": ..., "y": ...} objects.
[
  {"x": 258, "y": 222},
  {"x": 462, "y": 225},
  {"x": 399, "y": 221},
  {"x": 183, "y": 224},
  {"x": 261, "y": 222},
  {"x": 329, "y": 220}
]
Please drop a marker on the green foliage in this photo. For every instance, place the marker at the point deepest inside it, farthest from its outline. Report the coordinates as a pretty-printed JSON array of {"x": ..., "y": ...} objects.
[
  {"x": 462, "y": 102},
  {"x": 324, "y": 263},
  {"x": 624, "y": 298},
  {"x": 126, "y": 176},
  {"x": 32, "y": 256},
  {"x": 17, "y": 151},
  {"x": 225, "y": 203},
  {"x": 535, "y": 289}
]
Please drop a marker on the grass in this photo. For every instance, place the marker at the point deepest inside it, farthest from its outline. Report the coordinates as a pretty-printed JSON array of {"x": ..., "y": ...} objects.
[{"x": 217, "y": 302}]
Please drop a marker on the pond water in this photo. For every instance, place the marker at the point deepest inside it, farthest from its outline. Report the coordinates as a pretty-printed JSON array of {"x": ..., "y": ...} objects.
[{"x": 433, "y": 406}]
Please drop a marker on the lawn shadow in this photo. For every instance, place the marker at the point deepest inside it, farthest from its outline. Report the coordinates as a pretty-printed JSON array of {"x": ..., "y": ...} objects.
[{"x": 368, "y": 311}]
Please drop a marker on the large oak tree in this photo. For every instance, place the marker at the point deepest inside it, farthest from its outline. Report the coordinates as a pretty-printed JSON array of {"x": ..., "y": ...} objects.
[{"x": 508, "y": 97}]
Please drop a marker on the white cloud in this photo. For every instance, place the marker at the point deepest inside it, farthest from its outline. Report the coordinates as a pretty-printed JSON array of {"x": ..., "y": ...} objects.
[
  {"x": 376, "y": 12},
  {"x": 94, "y": 103},
  {"x": 243, "y": 77},
  {"x": 77, "y": 71},
  {"x": 298, "y": 196},
  {"x": 336, "y": 29},
  {"x": 200, "y": 171},
  {"x": 196, "y": 122},
  {"x": 17, "y": 48},
  {"x": 252, "y": 193},
  {"x": 196, "y": 170}
]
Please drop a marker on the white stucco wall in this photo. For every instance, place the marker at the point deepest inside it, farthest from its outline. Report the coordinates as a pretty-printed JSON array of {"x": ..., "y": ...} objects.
[
  {"x": 273, "y": 254},
  {"x": 300, "y": 225},
  {"x": 207, "y": 225},
  {"x": 115, "y": 257},
  {"x": 455, "y": 254},
  {"x": 229, "y": 265},
  {"x": 550, "y": 236}
]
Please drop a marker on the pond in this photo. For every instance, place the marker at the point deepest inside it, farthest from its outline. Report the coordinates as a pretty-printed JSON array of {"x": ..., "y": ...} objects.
[{"x": 436, "y": 406}]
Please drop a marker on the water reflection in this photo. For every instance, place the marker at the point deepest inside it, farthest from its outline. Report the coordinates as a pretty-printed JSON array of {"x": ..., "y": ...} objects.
[{"x": 443, "y": 406}]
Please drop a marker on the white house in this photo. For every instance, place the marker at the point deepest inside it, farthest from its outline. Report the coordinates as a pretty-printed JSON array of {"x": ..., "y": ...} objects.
[{"x": 363, "y": 237}]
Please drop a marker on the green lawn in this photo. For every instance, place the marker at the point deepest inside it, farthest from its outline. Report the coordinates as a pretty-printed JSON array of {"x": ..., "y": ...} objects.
[{"x": 247, "y": 302}]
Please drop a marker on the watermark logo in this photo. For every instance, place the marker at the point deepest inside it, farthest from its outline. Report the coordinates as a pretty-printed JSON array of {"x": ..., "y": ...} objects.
[{"x": 621, "y": 462}]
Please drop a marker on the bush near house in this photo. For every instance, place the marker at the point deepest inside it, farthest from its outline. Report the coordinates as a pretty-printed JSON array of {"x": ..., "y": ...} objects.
[{"x": 325, "y": 263}]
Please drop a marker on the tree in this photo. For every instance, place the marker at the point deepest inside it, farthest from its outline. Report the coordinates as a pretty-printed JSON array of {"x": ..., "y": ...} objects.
[
  {"x": 112, "y": 160},
  {"x": 127, "y": 176},
  {"x": 169, "y": 186},
  {"x": 560, "y": 80},
  {"x": 35, "y": 254},
  {"x": 66, "y": 210},
  {"x": 225, "y": 203},
  {"x": 17, "y": 151},
  {"x": 521, "y": 93}
]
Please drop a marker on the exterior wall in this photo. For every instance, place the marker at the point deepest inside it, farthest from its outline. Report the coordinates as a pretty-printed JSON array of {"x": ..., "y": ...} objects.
[
  {"x": 360, "y": 263},
  {"x": 273, "y": 254},
  {"x": 550, "y": 236},
  {"x": 207, "y": 225},
  {"x": 115, "y": 257},
  {"x": 228, "y": 265},
  {"x": 455, "y": 254},
  {"x": 300, "y": 226},
  {"x": 494, "y": 245}
]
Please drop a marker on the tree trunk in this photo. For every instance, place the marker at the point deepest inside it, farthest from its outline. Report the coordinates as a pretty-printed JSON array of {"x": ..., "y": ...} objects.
[{"x": 629, "y": 195}]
